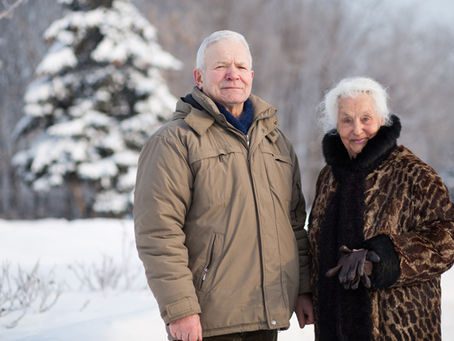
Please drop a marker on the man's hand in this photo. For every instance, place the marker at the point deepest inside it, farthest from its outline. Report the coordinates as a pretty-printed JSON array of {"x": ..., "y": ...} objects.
[
  {"x": 304, "y": 310},
  {"x": 187, "y": 328}
]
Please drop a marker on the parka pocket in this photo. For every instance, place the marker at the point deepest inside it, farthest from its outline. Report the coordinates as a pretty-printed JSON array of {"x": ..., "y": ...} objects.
[
  {"x": 279, "y": 169},
  {"x": 211, "y": 169},
  {"x": 209, "y": 269}
]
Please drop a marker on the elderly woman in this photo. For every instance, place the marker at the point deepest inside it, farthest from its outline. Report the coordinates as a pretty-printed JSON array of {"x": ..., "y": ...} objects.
[{"x": 381, "y": 227}]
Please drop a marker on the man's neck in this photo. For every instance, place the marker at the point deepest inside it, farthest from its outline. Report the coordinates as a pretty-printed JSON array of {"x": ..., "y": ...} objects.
[{"x": 236, "y": 110}]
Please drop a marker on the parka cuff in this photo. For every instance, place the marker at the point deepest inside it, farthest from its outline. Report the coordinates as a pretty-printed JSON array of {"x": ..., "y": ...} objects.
[
  {"x": 187, "y": 306},
  {"x": 305, "y": 283},
  {"x": 386, "y": 272}
]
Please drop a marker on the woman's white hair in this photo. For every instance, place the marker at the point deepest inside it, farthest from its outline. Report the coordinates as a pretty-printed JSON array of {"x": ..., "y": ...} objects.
[
  {"x": 215, "y": 37},
  {"x": 348, "y": 88}
]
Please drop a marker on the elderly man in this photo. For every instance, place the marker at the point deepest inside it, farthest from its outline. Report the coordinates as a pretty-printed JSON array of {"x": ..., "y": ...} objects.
[{"x": 219, "y": 213}]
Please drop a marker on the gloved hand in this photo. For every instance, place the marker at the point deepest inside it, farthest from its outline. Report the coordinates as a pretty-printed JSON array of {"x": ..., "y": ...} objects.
[{"x": 354, "y": 266}]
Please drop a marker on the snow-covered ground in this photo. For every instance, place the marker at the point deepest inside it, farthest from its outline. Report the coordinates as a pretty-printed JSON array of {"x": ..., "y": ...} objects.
[{"x": 125, "y": 309}]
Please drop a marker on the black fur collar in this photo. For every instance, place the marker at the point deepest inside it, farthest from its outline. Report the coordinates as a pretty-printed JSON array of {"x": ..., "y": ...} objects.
[{"x": 372, "y": 154}]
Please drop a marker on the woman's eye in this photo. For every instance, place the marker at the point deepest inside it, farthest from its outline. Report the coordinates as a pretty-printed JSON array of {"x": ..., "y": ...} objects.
[{"x": 346, "y": 120}]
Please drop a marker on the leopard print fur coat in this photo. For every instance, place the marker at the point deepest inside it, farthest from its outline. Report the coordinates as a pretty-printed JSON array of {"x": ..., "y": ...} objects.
[{"x": 389, "y": 201}]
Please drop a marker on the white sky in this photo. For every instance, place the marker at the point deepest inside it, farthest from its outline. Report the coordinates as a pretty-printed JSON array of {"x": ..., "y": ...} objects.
[{"x": 438, "y": 11}]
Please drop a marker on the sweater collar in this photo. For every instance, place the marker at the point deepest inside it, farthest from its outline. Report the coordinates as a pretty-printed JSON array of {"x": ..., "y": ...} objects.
[
  {"x": 372, "y": 154},
  {"x": 244, "y": 121}
]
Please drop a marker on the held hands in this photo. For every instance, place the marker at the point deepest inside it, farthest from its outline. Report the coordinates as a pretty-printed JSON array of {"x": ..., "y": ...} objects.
[
  {"x": 187, "y": 328},
  {"x": 354, "y": 265}
]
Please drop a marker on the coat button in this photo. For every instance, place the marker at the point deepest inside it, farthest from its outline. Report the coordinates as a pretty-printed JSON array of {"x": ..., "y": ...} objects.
[{"x": 273, "y": 322}]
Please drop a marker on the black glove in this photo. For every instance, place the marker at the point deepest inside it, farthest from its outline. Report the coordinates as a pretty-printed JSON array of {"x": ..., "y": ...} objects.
[{"x": 354, "y": 266}]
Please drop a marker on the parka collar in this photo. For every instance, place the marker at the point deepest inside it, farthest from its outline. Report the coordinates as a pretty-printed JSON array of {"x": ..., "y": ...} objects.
[{"x": 201, "y": 112}]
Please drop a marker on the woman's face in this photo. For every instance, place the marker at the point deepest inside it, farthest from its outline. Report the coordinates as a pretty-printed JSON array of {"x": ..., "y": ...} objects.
[{"x": 357, "y": 122}]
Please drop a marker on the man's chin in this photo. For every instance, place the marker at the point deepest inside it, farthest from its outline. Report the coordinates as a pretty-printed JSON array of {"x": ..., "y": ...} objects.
[{"x": 235, "y": 98}]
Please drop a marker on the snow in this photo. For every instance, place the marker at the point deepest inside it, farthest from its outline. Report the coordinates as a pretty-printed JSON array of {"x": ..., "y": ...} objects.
[
  {"x": 97, "y": 170},
  {"x": 69, "y": 128},
  {"x": 125, "y": 312},
  {"x": 50, "y": 150},
  {"x": 111, "y": 201},
  {"x": 127, "y": 180},
  {"x": 126, "y": 158},
  {"x": 55, "y": 61}
]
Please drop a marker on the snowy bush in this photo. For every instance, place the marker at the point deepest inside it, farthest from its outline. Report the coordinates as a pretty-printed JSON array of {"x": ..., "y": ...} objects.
[
  {"x": 99, "y": 95},
  {"x": 22, "y": 291},
  {"x": 34, "y": 281}
]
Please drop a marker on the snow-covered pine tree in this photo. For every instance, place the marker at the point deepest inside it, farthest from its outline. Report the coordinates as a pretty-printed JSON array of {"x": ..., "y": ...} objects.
[{"x": 98, "y": 96}]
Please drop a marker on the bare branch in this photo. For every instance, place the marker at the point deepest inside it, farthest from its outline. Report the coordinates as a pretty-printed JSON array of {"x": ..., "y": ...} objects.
[{"x": 7, "y": 7}]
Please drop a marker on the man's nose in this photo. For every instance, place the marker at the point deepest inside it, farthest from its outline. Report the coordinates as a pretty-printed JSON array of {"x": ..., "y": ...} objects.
[{"x": 232, "y": 73}]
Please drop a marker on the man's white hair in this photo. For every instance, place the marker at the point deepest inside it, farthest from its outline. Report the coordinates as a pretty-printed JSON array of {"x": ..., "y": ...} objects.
[
  {"x": 215, "y": 37},
  {"x": 349, "y": 88}
]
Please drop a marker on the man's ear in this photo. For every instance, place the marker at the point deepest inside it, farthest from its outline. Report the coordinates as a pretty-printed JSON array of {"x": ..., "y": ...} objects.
[{"x": 198, "y": 79}]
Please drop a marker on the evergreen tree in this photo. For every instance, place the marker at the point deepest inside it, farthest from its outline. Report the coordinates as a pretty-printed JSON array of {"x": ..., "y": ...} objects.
[{"x": 98, "y": 96}]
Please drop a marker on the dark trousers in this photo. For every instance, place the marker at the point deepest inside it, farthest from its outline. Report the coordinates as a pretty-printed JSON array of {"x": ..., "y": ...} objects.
[{"x": 260, "y": 335}]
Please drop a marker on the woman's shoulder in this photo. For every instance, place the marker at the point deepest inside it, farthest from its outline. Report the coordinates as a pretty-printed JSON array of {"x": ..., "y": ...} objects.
[
  {"x": 405, "y": 160},
  {"x": 404, "y": 156}
]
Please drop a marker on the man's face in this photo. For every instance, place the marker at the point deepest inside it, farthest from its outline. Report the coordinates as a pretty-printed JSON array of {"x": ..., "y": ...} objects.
[{"x": 227, "y": 76}]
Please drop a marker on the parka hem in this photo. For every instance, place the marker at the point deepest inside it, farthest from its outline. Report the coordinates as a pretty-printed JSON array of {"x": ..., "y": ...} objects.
[{"x": 242, "y": 328}]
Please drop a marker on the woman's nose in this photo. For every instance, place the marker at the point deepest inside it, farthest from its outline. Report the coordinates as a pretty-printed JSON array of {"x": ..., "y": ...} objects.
[{"x": 357, "y": 128}]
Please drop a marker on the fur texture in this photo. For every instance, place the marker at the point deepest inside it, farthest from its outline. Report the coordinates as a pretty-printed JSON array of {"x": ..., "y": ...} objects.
[{"x": 390, "y": 201}]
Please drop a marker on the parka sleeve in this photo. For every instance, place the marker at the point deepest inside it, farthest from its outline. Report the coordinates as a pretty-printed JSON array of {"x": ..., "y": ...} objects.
[
  {"x": 298, "y": 219},
  {"x": 161, "y": 200},
  {"x": 426, "y": 248}
]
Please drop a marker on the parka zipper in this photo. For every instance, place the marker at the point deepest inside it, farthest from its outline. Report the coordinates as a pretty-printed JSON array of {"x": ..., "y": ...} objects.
[
  {"x": 249, "y": 159},
  {"x": 251, "y": 177},
  {"x": 207, "y": 266}
]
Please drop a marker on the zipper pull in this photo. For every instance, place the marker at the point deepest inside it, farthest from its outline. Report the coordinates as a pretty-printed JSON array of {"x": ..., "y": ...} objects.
[
  {"x": 247, "y": 139},
  {"x": 204, "y": 276}
]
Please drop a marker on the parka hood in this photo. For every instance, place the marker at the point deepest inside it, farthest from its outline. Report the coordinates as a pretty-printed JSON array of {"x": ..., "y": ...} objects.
[{"x": 193, "y": 108}]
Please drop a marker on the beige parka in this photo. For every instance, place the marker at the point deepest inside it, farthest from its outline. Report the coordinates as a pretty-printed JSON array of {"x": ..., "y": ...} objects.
[{"x": 219, "y": 220}]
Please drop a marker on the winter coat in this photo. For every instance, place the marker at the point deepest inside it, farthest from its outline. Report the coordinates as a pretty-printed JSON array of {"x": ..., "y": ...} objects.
[
  {"x": 389, "y": 201},
  {"x": 219, "y": 219}
]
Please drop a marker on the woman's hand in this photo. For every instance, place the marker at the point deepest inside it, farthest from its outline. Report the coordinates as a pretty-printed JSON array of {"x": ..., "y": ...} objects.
[{"x": 354, "y": 265}]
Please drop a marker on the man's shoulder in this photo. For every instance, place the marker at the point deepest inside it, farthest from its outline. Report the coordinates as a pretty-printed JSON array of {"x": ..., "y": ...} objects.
[{"x": 171, "y": 129}]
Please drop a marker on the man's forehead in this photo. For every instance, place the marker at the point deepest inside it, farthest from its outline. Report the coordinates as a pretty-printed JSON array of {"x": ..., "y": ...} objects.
[
  {"x": 227, "y": 50},
  {"x": 227, "y": 44}
]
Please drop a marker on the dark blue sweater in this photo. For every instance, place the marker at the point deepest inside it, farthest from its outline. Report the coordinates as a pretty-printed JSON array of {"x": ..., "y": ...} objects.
[{"x": 244, "y": 121}]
